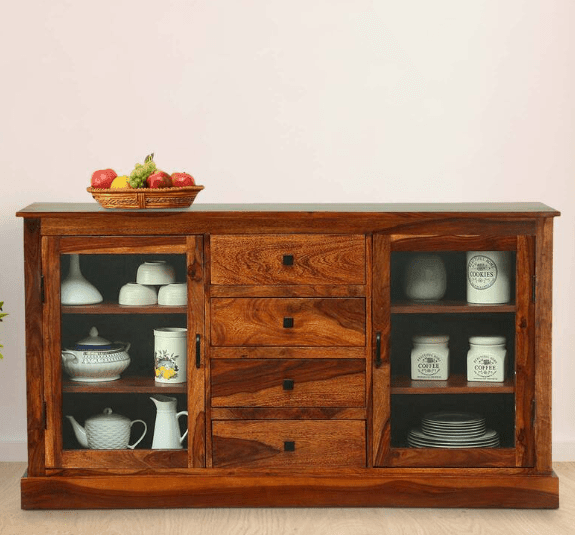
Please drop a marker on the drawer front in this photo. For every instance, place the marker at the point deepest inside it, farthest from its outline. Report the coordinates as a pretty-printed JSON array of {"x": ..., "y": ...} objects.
[
  {"x": 287, "y": 259},
  {"x": 288, "y": 383},
  {"x": 288, "y": 443},
  {"x": 287, "y": 322}
]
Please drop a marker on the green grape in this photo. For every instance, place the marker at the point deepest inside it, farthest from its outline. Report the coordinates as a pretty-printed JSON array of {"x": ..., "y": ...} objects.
[{"x": 141, "y": 172}]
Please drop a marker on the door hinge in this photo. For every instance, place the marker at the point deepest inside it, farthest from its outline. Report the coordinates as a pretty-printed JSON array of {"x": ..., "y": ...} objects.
[
  {"x": 533, "y": 412},
  {"x": 42, "y": 297},
  {"x": 533, "y": 291}
]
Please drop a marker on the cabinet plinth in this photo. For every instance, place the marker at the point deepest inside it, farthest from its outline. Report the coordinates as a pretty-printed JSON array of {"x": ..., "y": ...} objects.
[{"x": 295, "y": 387}]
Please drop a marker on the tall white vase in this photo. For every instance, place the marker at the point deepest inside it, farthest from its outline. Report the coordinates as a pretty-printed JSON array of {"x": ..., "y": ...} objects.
[{"x": 75, "y": 289}]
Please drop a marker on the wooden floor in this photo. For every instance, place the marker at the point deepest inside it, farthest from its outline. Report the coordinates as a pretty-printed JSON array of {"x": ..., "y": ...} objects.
[{"x": 14, "y": 521}]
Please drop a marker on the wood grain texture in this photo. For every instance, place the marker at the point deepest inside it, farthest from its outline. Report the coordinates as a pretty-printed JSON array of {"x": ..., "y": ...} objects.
[
  {"x": 196, "y": 370},
  {"x": 316, "y": 259},
  {"x": 448, "y": 307},
  {"x": 255, "y": 352},
  {"x": 114, "y": 308},
  {"x": 421, "y": 490},
  {"x": 290, "y": 290},
  {"x": 126, "y": 384},
  {"x": 462, "y": 458},
  {"x": 259, "y": 321},
  {"x": 455, "y": 384},
  {"x": 289, "y": 413},
  {"x": 125, "y": 459},
  {"x": 381, "y": 324},
  {"x": 543, "y": 345},
  {"x": 314, "y": 383},
  {"x": 261, "y": 444},
  {"x": 524, "y": 352},
  {"x": 408, "y": 242},
  {"x": 124, "y": 245},
  {"x": 52, "y": 350},
  {"x": 34, "y": 348}
]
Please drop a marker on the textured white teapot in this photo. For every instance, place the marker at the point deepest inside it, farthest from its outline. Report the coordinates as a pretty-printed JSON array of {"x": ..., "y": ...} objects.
[{"x": 106, "y": 431}]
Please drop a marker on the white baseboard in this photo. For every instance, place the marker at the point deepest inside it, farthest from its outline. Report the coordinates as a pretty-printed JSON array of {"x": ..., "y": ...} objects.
[{"x": 14, "y": 452}]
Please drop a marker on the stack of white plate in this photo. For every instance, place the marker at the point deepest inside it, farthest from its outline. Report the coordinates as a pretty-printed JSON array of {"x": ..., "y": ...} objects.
[{"x": 453, "y": 430}]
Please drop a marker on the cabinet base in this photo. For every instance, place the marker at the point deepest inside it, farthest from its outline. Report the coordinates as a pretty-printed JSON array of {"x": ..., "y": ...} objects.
[{"x": 356, "y": 490}]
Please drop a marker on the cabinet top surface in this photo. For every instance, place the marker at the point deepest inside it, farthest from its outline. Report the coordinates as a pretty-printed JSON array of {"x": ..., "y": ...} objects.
[{"x": 529, "y": 209}]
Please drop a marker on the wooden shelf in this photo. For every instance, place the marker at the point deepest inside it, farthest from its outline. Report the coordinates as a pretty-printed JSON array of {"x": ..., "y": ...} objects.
[
  {"x": 115, "y": 308},
  {"x": 456, "y": 384},
  {"x": 448, "y": 307},
  {"x": 124, "y": 385}
]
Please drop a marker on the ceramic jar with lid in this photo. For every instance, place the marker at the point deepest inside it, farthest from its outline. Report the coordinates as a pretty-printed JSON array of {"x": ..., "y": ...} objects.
[
  {"x": 488, "y": 277},
  {"x": 486, "y": 359},
  {"x": 430, "y": 357}
]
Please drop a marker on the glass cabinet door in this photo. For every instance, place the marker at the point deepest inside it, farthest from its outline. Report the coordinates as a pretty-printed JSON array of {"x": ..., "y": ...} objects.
[
  {"x": 125, "y": 317},
  {"x": 453, "y": 385}
]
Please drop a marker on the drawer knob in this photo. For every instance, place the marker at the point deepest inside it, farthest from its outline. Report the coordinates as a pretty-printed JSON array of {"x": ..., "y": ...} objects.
[
  {"x": 288, "y": 323},
  {"x": 288, "y": 384},
  {"x": 287, "y": 260},
  {"x": 289, "y": 446}
]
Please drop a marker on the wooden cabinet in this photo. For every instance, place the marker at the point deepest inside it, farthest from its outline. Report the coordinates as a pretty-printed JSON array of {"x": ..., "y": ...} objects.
[{"x": 298, "y": 388}]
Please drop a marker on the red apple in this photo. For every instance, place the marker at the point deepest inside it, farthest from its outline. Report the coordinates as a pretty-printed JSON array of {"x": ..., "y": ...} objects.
[
  {"x": 103, "y": 178},
  {"x": 179, "y": 180},
  {"x": 159, "y": 179}
]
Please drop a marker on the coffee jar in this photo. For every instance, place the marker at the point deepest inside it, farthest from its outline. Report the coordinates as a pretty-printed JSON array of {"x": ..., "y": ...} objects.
[
  {"x": 486, "y": 359},
  {"x": 430, "y": 358},
  {"x": 488, "y": 277}
]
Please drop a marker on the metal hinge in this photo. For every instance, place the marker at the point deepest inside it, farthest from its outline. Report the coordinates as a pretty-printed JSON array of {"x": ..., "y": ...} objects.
[
  {"x": 42, "y": 288},
  {"x": 534, "y": 282},
  {"x": 44, "y": 420},
  {"x": 533, "y": 412}
]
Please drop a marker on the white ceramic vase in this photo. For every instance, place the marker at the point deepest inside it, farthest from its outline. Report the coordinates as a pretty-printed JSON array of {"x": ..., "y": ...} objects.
[
  {"x": 170, "y": 354},
  {"x": 75, "y": 289}
]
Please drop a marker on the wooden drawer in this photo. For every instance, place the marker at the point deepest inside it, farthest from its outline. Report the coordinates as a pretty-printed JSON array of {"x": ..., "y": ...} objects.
[
  {"x": 288, "y": 259},
  {"x": 287, "y": 322},
  {"x": 288, "y": 383},
  {"x": 289, "y": 443}
]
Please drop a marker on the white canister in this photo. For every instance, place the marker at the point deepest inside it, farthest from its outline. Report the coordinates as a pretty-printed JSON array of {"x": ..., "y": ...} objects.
[
  {"x": 170, "y": 354},
  {"x": 486, "y": 359},
  {"x": 488, "y": 277},
  {"x": 430, "y": 358}
]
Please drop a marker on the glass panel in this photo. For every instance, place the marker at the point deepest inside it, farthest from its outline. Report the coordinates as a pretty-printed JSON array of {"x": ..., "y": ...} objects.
[
  {"x": 108, "y": 355},
  {"x": 432, "y": 322}
]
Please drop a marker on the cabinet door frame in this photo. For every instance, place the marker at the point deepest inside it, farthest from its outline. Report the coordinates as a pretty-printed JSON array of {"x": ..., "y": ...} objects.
[
  {"x": 522, "y": 455},
  {"x": 52, "y": 248}
]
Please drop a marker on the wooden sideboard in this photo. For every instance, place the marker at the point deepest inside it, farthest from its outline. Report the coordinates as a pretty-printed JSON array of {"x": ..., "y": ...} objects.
[{"x": 298, "y": 386}]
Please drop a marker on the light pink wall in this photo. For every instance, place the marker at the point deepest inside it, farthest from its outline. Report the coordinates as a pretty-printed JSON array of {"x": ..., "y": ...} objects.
[{"x": 275, "y": 101}]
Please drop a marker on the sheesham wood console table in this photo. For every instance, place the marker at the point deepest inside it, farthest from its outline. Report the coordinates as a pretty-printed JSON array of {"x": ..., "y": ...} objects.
[{"x": 298, "y": 386}]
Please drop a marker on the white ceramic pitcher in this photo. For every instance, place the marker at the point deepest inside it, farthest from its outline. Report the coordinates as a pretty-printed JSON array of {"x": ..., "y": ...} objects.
[{"x": 167, "y": 430}]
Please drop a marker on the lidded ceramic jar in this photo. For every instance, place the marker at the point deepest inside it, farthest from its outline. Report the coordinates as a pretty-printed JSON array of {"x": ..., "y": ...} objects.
[
  {"x": 486, "y": 359},
  {"x": 488, "y": 277},
  {"x": 95, "y": 359},
  {"x": 430, "y": 357},
  {"x": 425, "y": 278}
]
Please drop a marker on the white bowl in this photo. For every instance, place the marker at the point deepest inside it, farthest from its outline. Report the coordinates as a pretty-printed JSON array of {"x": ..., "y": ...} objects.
[
  {"x": 134, "y": 294},
  {"x": 173, "y": 294},
  {"x": 156, "y": 273}
]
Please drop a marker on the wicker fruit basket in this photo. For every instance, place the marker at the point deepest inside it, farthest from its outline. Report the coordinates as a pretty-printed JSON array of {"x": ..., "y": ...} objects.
[{"x": 146, "y": 197}]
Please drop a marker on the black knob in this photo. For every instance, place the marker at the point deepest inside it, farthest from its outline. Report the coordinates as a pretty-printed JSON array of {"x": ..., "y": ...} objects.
[
  {"x": 287, "y": 260},
  {"x": 288, "y": 384},
  {"x": 289, "y": 446},
  {"x": 288, "y": 323}
]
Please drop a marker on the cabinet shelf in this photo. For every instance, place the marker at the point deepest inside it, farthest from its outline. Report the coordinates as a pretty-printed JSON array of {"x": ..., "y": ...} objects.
[
  {"x": 447, "y": 307},
  {"x": 124, "y": 385},
  {"x": 115, "y": 308},
  {"x": 456, "y": 384}
]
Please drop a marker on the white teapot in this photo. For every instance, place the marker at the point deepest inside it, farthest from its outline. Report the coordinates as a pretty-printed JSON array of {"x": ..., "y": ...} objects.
[{"x": 106, "y": 431}]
